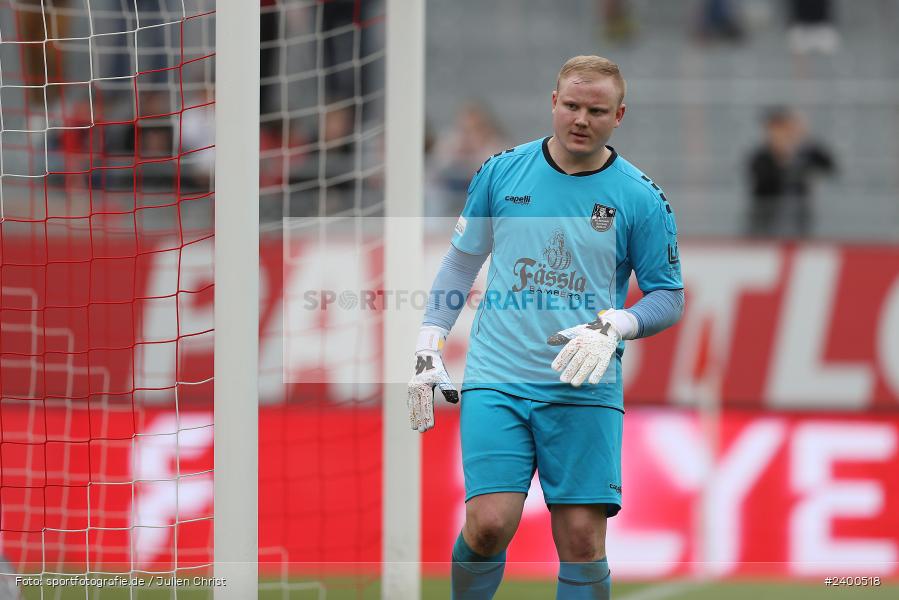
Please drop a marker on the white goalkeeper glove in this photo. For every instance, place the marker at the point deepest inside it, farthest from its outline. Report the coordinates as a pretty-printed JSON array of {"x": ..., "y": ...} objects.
[
  {"x": 589, "y": 347},
  {"x": 429, "y": 373}
]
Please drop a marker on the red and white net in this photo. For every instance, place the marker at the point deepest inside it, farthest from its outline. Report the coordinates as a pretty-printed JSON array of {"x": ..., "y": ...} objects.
[
  {"x": 322, "y": 125},
  {"x": 106, "y": 288},
  {"x": 106, "y": 237}
]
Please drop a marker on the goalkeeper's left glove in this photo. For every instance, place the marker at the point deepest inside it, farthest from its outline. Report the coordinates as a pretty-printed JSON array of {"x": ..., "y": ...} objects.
[
  {"x": 589, "y": 347},
  {"x": 429, "y": 373}
]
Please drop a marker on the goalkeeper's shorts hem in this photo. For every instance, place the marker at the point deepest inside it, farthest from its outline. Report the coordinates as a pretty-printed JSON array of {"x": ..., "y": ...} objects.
[
  {"x": 500, "y": 489},
  {"x": 612, "y": 503}
]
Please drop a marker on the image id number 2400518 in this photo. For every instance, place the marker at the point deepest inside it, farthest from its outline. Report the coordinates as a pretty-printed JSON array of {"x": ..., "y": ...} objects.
[{"x": 857, "y": 581}]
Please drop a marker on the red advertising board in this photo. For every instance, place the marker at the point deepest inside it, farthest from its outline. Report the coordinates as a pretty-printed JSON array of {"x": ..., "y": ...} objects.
[
  {"x": 773, "y": 496},
  {"x": 779, "y": 495}
]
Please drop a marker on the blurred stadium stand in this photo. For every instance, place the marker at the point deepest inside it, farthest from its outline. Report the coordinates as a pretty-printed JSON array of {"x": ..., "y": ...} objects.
[{"x": 695, "y": 108}]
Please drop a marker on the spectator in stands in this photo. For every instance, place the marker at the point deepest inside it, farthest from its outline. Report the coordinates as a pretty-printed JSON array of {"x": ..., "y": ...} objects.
[
  {"x": 325, "y": 164},
  {"x": 781, "y": 172},
  {"x": 157, "y": 45},
  {"x": 476, "y": 134},
  {"x": 40, "y": 61},
  {"x": 269, "y": 59},
  {"x": 719, "y": 21},
  {"x": 338, "y": 48},
  {"x": 347, "y": 35},
  {"x": 197, "y": 141},
  {"x": 283, "y": 153},
  {"x": 812, "y": 27},
  {"x": 618, "y": 23}
]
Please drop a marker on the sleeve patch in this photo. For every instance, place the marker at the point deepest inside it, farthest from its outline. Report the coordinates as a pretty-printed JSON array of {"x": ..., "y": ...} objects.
[
  {"x": 461, "y": 224},
  {"x": 670, "y": 223}
]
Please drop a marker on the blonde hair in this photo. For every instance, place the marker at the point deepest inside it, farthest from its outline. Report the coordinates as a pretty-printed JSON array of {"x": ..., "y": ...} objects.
[{"x": 593, "y": 64}]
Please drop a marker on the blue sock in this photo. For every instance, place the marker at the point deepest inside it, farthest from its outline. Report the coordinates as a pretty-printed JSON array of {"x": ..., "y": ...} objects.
[
  {"x": 584, "y": 581},
  {"x": 475, "y": 577}
]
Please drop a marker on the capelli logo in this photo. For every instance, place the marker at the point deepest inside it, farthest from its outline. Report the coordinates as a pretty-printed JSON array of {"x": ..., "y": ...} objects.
[{"x": 518, "y": 199}]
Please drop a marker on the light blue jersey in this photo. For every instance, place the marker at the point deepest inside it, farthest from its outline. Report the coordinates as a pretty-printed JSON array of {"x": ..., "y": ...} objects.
[{"x": 562, "y": 248}]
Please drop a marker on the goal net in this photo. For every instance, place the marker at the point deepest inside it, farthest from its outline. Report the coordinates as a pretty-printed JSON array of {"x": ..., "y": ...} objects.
[
  {"x": 106, "y": 238},
  {"x": 321, "y": 210},
  {"x": 106, "y": 295}
]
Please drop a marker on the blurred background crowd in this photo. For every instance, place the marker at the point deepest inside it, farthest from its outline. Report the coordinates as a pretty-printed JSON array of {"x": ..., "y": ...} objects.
[
  {"x": 762, "y": 118},
  {"x": 767, "y": 118}
]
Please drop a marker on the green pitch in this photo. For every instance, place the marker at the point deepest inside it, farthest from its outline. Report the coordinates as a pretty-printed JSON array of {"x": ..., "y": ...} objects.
[{"x": 438, "y": 589}]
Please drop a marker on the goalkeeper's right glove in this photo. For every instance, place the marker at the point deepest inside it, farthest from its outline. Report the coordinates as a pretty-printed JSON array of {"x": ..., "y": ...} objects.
[{"x": 429, "y": 373}]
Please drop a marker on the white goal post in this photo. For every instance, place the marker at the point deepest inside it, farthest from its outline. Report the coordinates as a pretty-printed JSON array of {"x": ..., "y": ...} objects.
[
  {"x": 403, "y": 270},
  {"x": 236, "y": 299},
  {"x": 130, "y": 358}
]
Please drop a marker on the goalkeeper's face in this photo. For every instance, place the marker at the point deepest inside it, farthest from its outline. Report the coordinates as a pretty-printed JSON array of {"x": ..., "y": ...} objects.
[{"x": 587, "y": 108}]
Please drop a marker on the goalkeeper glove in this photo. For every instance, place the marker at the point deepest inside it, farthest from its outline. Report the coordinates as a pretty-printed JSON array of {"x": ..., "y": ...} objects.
[
  {"x": 589, "y": 347},
  {"x": 429, "y": 373}
]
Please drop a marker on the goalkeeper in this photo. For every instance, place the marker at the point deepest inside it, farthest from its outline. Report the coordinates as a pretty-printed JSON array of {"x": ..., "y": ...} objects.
[{"x": 566, "y": 221}]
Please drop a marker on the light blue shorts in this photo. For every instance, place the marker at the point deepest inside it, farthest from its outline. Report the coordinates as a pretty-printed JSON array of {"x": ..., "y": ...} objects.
[{"x": 575, "y": 449}]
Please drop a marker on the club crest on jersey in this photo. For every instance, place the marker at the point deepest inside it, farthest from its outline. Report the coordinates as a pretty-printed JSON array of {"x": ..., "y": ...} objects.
[{"x": 602, "y": 217}]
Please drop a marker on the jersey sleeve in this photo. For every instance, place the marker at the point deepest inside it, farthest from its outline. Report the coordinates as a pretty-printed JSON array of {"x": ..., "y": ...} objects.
[
  {"x": 653, "y": 247},
  {"x": 473, "y": 233}
]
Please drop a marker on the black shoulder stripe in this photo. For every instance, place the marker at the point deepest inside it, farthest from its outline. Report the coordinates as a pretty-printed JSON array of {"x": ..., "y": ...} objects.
[
  {"x": 650, "y": 182},
  {"x": 665, "y": 200},
  {"x": 493, "y": 156},
  {"x": 484, "y": 164}
]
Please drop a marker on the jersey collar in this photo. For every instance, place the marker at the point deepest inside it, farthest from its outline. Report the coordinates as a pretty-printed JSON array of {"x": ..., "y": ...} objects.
[{"x": 553, "y": 164}]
